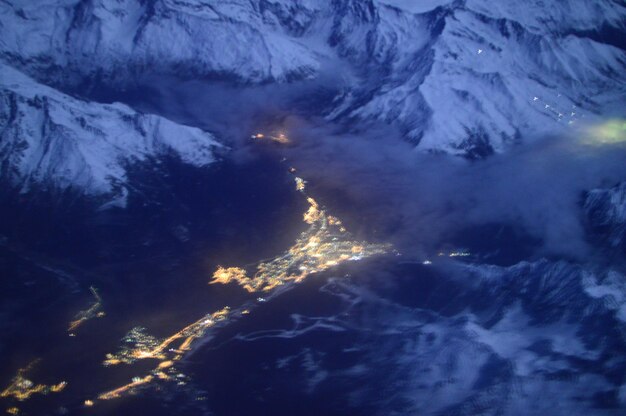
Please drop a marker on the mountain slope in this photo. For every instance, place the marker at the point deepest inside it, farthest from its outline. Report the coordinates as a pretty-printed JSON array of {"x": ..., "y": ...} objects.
[
  {"x": 483, "y": 77},
  {"x": 461, "y": 77},
  {"x": 116, "y": 40},
  {"x": 62, "y": 142}
]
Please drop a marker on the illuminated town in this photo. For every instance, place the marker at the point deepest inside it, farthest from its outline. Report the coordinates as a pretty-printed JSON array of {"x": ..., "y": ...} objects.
[
  {"x": 95, "y": 310},
  {"x": 325, "y": 244},
  {"x": 21, "y": 388},
  {"x": 139, "y": 346}
]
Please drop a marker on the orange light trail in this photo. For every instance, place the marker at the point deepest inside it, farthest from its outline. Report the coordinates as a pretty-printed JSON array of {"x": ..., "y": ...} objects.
[
  {"x": 325, "y": 244},
  {"x": 22, "y": 388},
  {"x": 95, "y": 310}
]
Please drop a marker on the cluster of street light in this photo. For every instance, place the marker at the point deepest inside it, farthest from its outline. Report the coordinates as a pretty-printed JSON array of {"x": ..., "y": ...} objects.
[
  {"x": 323, "y": 245},
  {"x": 22, "y": 388},
  {"x": 94, "y": 311},
  {"x": 138, "y": 345}
]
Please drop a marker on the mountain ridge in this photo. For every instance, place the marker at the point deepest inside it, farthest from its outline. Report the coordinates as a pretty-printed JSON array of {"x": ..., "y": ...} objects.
[
  {"x": 51, "y": 139},
  {"x": 466, "y": 78}
]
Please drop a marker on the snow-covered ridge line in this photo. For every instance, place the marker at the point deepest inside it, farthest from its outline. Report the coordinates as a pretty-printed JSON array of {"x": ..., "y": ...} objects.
[
  {"x": 50, "y": 138},
  {"x": 489, "y": 76},
  {"x": 466, "y": 77},
  {"x": 117, "y": 40}
]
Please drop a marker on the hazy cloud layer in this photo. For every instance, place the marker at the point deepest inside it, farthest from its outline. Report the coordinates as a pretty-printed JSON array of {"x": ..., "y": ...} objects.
[
  {"x": 424, "y": 198},
  {"x": 417, "y": 200}
]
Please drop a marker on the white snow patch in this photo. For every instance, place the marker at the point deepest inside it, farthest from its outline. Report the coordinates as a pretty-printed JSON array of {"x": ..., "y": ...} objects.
[{"x": 50, "y": 137}]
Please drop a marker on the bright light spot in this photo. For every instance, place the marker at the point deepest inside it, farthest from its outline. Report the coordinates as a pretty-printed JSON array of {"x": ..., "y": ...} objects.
[
  {"x": 300, "y": 184},
  {"x": 324, "y": 244},
  {"x": 94, "y": 310},
  {"x": 22, "y": 388},
  {"x": 279, "y": 138},
  {"x": 612, "y": 131}
]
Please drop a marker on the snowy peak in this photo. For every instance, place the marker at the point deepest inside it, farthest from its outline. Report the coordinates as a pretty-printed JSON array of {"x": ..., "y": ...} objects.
[
  {"x": 484, "y": 80},
  {"x": 51, "y": 138},
  {"x": 557, "y": 19},
  {"x": 234, "y": 39},
  {"x": 462, "y": 77}
]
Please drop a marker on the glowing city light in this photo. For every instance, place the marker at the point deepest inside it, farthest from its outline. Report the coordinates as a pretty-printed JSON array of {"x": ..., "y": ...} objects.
[
  {"x": 140, "y": 346},
  {"x": 300, "y": 183},
  {"x": 280, "y": 138},
  {"x": 95, "y": 310},
  {"x": 21, "y": 388},
  {"x": 323, "y": 245}
]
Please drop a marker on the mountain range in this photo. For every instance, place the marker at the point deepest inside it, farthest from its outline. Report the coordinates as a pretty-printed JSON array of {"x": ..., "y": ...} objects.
[{"x": 468, "y": 78}]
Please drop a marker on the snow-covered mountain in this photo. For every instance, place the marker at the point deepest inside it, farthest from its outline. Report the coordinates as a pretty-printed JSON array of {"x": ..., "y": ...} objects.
[
  {"x": 50, "y": 138},
  {"x": 462, "y": 77},
  {"x": 605, "y": 210},
  {"x": 465, "y": 77},
  {"x": 473, "y": 77},
  {"x": 250, "y": 41}
]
